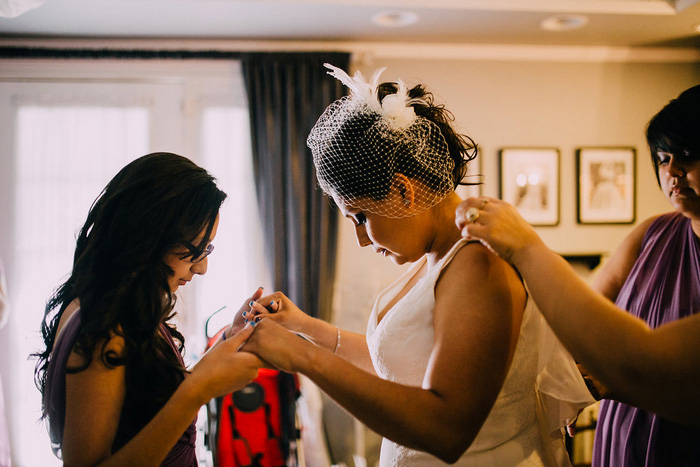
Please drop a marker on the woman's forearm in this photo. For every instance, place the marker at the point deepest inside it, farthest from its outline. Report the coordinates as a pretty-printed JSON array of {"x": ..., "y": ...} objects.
[
  {"x": 349, "y": 345},
  {"x": 657, "y": 370},
  {"x": 153, "y": 443},
  {"x": 411, "y": 416},
  {"x": 614, "y": 345}
]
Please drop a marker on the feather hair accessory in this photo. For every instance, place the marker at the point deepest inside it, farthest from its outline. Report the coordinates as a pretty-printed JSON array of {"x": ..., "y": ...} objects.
[
  {"x": 360, "y": 143},
  {"x": 395, "y": 108}
]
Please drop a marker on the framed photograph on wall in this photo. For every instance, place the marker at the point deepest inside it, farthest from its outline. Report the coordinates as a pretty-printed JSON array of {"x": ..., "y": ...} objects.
[
  {"x": 606, "y": 187},
  {"x": 530, "y": 181}
]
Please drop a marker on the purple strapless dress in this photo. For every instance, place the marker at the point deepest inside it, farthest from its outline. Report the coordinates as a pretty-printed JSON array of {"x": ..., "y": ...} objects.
[
  {"x": 181, "y": 455},
  {"x": 663, "y": 286}
]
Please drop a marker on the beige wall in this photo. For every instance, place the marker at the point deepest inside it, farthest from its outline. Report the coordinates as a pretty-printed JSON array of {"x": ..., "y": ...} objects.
[
  {"x": 565, "y": 105},
  {"x": 535, "y": 103}
]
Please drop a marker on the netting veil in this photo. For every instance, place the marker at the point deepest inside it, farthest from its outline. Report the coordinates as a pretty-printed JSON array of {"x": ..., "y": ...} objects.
[{"x": 360, "y": 144}]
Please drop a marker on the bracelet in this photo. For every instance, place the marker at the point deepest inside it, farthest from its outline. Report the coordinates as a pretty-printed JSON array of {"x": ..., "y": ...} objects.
[{"x": 337, "y": 342}]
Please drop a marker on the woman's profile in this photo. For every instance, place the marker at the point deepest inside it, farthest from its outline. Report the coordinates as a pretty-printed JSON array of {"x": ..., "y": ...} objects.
[{"x": 114, "y": 385}]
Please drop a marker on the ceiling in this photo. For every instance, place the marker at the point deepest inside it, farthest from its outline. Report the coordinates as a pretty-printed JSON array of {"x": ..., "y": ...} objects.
[{"x": 620, "y": 23}]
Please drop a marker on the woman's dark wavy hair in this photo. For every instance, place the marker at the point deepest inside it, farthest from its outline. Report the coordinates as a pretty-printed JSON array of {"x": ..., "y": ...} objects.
[
  {"x": 676, "y": 129},
  {"x": 120, "y": 277}
]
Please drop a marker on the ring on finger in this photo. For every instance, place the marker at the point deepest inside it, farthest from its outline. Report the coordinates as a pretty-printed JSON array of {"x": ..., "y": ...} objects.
[
  {"x": 483, "y": 203},
  {"x": 471, "y": 215}
]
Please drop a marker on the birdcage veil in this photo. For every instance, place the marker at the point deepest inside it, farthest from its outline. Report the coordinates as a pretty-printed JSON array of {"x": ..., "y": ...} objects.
[{"x": 359, "y": 144}]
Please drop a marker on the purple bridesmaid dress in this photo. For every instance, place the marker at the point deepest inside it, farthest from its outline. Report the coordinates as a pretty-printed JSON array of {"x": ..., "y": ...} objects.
[
  {"x": 663, "y": 286},
  {"x": 181, "y": 455}
]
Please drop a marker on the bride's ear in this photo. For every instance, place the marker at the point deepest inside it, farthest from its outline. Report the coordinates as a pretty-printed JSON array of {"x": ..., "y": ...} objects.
[{"x": 405, "y": 190}]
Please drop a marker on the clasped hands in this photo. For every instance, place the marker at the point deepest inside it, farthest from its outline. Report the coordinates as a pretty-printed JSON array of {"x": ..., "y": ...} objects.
[{"x": 277, "y": 326}]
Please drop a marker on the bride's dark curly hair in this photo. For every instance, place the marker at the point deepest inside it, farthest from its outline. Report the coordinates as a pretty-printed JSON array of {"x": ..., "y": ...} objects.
[{"x": 120, "y": 277}]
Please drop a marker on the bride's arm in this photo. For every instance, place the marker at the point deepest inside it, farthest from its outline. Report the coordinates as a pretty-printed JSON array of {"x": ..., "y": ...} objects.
[
  {"x": 349, "y": 345},
  {"x": 479, "y": 302}
]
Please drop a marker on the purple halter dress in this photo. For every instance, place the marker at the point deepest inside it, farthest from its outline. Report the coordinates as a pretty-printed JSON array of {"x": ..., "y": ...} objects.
[
  {"x": 663, "y": 286},
  {"x": 181, "y": 455}
]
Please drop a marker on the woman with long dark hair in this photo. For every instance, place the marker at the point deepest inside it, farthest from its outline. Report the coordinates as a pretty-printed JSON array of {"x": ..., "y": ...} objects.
[{"x": 114, "y": 385}]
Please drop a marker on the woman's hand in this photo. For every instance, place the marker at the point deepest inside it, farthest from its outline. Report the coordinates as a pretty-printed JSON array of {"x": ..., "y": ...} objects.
[
  {"x": 278, "y": 347},
  {"x": 280, "y": 309},
  {"x": 225, "y": 368},
  {"x": 497, "y": 225},
  {"x": 239, "y": 320}
]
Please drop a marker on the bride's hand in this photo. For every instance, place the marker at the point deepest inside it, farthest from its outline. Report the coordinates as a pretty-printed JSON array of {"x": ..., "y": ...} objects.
[
  {"x": 278, "y": 347},
  {"x": 279, "y": 308}
]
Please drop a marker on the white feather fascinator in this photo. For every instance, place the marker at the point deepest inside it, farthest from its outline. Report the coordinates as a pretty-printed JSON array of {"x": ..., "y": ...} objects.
[
  {"x": 396, "y": 108},
  {"x": 360, "y": 143}
]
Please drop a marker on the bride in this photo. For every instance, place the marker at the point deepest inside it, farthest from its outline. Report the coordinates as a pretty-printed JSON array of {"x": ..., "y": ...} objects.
[{"x": 457, "y": 365}]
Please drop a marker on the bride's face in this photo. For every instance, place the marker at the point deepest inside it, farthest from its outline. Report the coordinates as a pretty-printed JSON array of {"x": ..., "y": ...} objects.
[{"x": 397, "y": 239}]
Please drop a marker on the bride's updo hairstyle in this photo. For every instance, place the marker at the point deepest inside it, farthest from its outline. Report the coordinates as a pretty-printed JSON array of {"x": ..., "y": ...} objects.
[{"x": 363, "y": 140}]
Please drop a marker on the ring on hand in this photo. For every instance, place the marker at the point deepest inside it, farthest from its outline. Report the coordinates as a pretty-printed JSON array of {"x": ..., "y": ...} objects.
[
  {"x": 471, "y": 215},
  {"x": 483, "y": 203}
]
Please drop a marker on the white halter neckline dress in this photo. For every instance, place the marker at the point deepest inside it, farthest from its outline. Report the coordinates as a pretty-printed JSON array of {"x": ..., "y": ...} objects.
[{"x": 542, "y": 393}]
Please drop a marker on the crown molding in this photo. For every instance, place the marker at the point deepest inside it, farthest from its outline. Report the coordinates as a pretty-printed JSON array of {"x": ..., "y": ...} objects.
[
  {"x": 370, "y": 51},
  {"x": 622, "y": 7}
]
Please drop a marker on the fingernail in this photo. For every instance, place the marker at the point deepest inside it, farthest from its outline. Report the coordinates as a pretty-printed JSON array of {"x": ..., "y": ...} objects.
[
  {"x": 253, "y": 323},
  {"x": 260, "y": 287},
  {"x": 251, "y": 303},
  {"x": 272, "y": 303},
  {"x": 245, "y": 321}
]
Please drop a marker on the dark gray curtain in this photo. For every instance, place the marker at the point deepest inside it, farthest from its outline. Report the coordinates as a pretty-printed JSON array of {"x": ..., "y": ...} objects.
[{"x": 287, "y": 92}]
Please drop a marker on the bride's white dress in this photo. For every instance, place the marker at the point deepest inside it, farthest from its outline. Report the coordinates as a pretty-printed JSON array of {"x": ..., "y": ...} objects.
[{"x": 542, "y": 393}]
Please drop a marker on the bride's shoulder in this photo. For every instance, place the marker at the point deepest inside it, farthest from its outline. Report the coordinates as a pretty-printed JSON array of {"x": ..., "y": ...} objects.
[{"x": 475, "y": 265}]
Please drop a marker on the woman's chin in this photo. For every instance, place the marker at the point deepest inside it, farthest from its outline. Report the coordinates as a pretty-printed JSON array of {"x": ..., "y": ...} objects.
[{"x": 398, "y": 260}]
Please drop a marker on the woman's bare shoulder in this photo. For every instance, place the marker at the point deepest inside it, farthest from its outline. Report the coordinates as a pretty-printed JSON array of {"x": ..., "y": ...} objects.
[
  {"x": 475, "y": 269},
  {"x": 114, "y": 345},
  {"x": 475, "y": 261}
]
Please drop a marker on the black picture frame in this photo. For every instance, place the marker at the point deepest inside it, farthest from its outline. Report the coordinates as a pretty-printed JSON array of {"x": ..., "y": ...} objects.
[
  {"x": 606, "y": 190},
  {"x": 529, "y": 180}
]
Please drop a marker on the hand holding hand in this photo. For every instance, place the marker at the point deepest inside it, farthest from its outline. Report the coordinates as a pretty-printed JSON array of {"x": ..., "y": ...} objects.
[
  {"x": 278, "y": 347},
  {"x": 224, "y": 368},
  {"x": 497, "y": 224},
  {"x": 280, "y": 309},
  {"x": 239, "y": 320}
]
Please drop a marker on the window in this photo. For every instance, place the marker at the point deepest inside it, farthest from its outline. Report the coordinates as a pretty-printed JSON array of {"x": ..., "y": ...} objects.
[
  {"x": 238, "y": 261},
  {"x": 62, "y": 141}
]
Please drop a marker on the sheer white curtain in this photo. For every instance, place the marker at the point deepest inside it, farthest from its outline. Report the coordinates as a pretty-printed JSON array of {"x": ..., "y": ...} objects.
[
  {"x": 236, "y": 268},
  {"x": 65, "y": 155},
  {"x": 60, "y": 143}
]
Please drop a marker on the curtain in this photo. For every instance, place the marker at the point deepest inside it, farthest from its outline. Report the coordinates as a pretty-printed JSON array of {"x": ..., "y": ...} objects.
[{"x": 287, "y": 92}]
